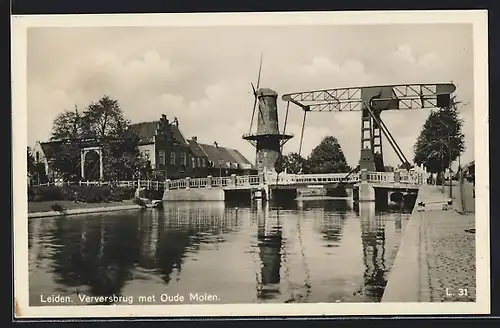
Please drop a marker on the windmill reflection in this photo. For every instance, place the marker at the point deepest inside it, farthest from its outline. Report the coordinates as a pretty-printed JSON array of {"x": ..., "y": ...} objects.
[
  {"x": 373, "y": 241},
  {"x": 270, "y": 243}
]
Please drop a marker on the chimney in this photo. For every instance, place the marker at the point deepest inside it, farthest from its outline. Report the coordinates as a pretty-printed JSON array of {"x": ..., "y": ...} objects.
[{"x": 195, "y": 138}]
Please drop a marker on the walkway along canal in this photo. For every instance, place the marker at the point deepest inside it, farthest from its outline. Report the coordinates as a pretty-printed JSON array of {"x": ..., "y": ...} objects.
[{"x": 436, "y": 261}]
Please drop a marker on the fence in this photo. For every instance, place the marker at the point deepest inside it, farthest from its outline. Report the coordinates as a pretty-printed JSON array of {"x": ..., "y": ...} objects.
[{"x": 149, "y": 184}]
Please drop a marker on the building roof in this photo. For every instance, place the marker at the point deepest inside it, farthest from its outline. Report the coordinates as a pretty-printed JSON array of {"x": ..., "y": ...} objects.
[
  {"x": 240, "y": 158},
  {"x": 50, "y": 148},
  {"x": 178, "y": 136},
  {"x": 225, "y": 157},
  {"x": 196, "y": 148},
  {"x": 215, "y": 155},
  {"x": 146, "y": 131}
]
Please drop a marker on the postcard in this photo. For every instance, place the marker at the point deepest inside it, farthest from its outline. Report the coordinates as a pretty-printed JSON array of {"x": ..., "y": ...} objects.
[{"x": 251, "y": 164}]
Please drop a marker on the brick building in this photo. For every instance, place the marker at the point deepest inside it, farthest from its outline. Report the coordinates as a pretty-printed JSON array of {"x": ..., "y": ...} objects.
[{"x": 173, "y": 156}]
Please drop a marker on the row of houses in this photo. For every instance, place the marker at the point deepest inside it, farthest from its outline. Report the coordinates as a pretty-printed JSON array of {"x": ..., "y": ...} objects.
[{"x": 172, "y": 156}]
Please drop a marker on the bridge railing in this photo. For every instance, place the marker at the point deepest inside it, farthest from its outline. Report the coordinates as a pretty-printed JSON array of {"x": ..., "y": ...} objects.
[
  {"x": 220, "y": 182},
  {"x": 216, "y": 182},
  {"x": 378, "y": 177},
  {"x": 295, "y": 179},
  {"x": 412, "y": 178},
  {"x": 313, "y": 178},
  {"x": 400, "y": 177}
]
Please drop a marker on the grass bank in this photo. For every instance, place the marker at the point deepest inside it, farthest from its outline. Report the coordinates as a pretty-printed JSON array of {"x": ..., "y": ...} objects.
[{"x": 46, "y": 206}]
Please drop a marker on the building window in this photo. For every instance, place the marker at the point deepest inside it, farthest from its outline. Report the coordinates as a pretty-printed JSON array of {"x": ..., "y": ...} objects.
[
  {"x": 161, "y": 157},
  {"x": 172, "y": 158},
  {"x": 193, "y": 162},
  {"x": 203, "y": 163},
  {"x": 199, "y": 164},
  {"x": 183, "y": 159}
]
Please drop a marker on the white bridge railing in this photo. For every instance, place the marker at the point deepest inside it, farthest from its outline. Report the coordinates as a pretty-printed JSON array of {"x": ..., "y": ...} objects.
[
  {"x": 401, "y": 177},
  {"x": 247, "y": 181},
  {"x": 292, "y": 179},
  {"x": 149, "y": 184}
]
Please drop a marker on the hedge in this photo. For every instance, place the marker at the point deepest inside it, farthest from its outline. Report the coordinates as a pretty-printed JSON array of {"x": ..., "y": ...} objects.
[{"x": 85, "y": 194}]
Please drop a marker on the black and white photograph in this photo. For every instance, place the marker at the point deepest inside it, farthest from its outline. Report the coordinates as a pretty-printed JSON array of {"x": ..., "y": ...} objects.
[{"x": 256, "y": 164}]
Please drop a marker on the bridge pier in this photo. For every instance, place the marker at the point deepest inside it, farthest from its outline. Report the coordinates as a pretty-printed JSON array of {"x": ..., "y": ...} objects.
[
  {"x": 282, "y": 195},
  {"x": 365, "y": 190}
]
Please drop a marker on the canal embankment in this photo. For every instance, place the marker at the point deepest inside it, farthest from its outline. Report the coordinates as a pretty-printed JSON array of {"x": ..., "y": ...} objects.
[
  {"x": 60, "y": 208},
  {"x": 195, "y": 194},
  {"x": 437, "y": 251}
]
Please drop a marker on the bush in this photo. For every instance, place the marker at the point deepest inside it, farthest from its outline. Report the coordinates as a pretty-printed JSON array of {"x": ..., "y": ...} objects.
[
  {"x": 122, "y": 193},
  {"x": 48, "y": 193},
  {"x": 31, "y": 194},
  {"x": 85, "y": 194},
  {"x": 92, "y": 194}
]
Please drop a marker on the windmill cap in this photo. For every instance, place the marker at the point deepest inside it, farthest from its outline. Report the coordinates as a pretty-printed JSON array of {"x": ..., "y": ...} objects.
[{"x": 266, "y": 92}]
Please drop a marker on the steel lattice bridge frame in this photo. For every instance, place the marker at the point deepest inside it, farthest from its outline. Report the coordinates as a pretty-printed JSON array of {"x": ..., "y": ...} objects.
[{"x": 371, "y": 101}]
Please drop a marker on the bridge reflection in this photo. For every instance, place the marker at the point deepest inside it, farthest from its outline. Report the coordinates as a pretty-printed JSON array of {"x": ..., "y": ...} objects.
[{"x": 374, "y": 247}]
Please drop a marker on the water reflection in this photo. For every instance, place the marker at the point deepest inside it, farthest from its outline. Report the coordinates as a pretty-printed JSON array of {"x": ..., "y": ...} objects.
[
  {"x": 373, "y": 241},
  {"x": 308, "y": 251},
  {"x": 270, "y": 243}
]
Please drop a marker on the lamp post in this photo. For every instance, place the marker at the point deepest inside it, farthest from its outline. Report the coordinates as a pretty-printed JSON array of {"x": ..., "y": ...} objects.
[
  {"x": 449, "y": 159},
  {"x": 461, "y": 186}
]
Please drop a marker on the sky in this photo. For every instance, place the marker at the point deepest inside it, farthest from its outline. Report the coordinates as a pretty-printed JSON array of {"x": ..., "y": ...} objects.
[{"x": 202, "y": 76}]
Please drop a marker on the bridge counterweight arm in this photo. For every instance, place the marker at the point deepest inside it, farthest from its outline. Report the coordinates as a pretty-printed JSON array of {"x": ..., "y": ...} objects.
[{"x": 397, "y": 97}]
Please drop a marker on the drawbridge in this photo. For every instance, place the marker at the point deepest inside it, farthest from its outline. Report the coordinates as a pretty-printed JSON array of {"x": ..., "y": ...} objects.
[{"x": 371, "y": 101}]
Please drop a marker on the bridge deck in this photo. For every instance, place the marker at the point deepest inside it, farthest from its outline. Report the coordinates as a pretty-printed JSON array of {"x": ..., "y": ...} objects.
[{"x": 391, "y": 180}]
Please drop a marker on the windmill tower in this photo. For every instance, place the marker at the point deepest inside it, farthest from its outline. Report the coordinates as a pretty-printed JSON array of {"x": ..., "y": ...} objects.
[{"x": 267, "y": 139}]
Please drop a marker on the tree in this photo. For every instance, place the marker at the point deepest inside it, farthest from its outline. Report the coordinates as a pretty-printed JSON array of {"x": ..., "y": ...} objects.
[
  {"x": 104, "y": 119},
  {"x": 104, "y": 123},
  {"x": 67, "y": 125},
  {"x": 440, "y": 141},
  {"x": 294, "y": 163},
  {"x": 328, "y": 157}
]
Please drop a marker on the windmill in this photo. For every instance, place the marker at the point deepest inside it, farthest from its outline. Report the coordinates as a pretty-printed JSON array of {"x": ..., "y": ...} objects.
[
  {"x": 267, "y": 139},
  {"x": 255, "y": 98}
]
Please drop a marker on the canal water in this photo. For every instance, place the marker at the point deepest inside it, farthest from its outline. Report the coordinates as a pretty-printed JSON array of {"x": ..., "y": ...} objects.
[{"x": 307, "y": 251}]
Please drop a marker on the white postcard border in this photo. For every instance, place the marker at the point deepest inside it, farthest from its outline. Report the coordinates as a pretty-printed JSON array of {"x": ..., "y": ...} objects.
[{"x": 477, "y": 18}]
